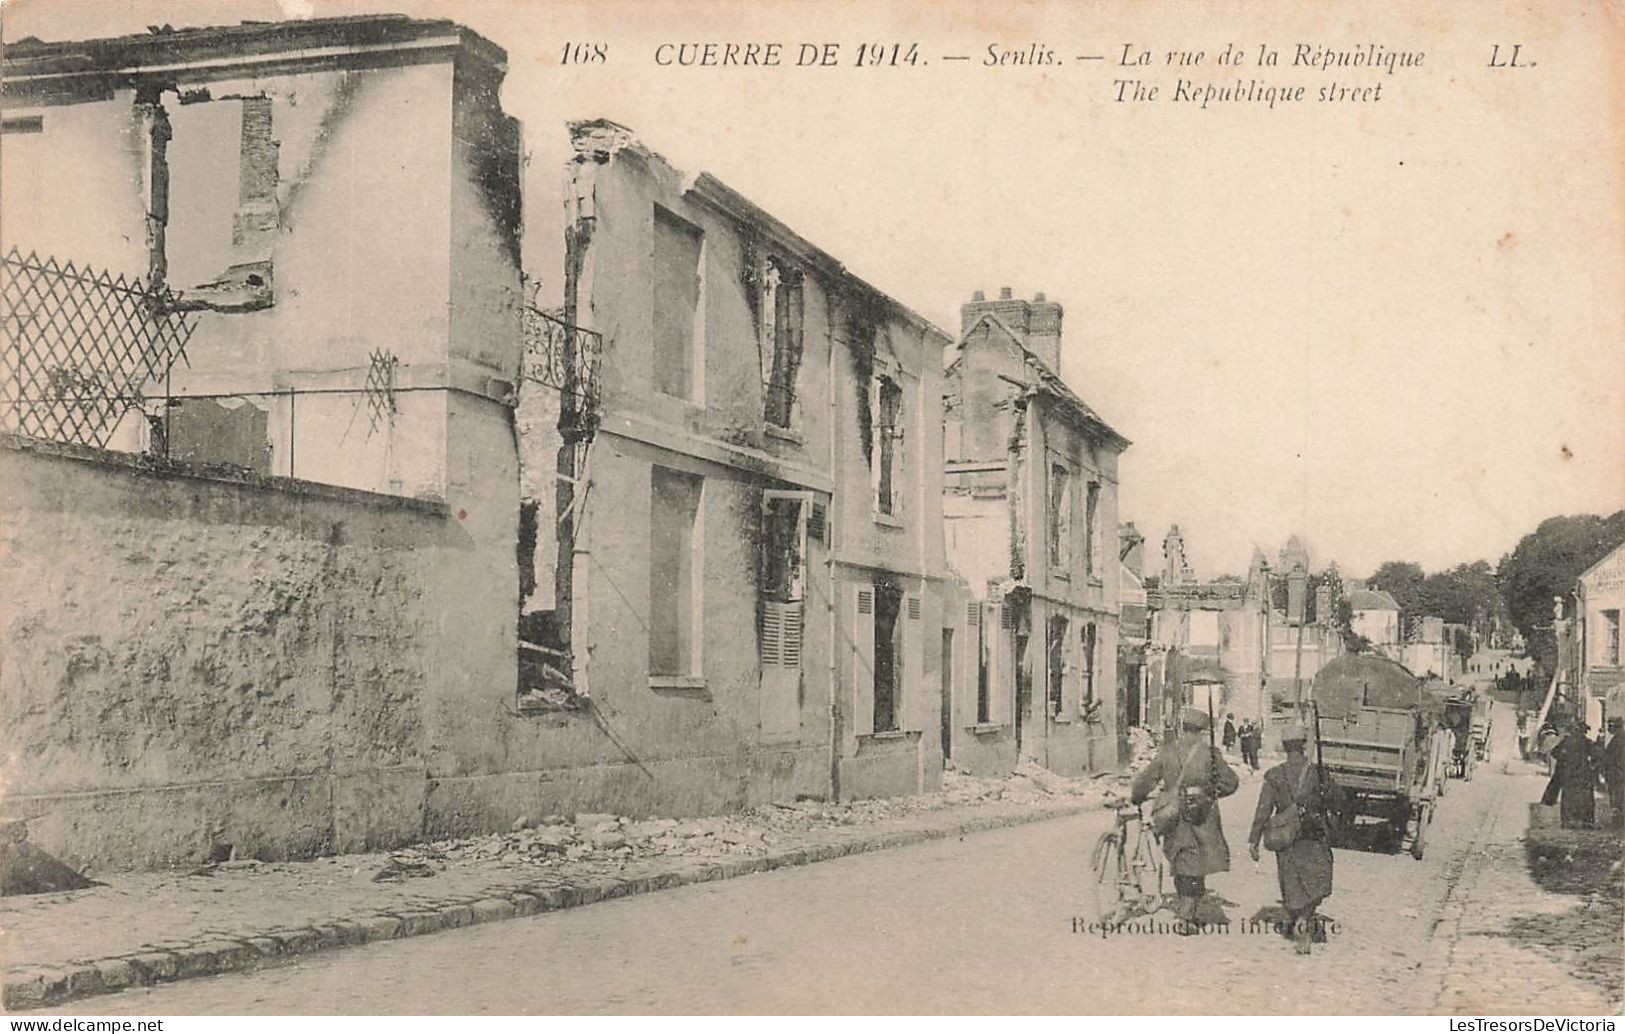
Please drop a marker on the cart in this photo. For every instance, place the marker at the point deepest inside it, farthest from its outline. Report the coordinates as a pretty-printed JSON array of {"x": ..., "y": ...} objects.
[
  {"x": 1481, "y": 727},
  {"x": 1457, "y": 717},
  {"x": 1378, "y": 739}
]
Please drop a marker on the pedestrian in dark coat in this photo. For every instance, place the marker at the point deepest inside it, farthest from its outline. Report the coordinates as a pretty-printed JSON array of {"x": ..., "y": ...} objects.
[
  {"x": 1613, "y": 771},
  {"x": 1195, "y": 851},
  {"x": 1229, "y": 738},
  {"x": 1574, "y": 778},
  {"x": 1251, "y": 737},
  {"x": 1303, "y": 867}
]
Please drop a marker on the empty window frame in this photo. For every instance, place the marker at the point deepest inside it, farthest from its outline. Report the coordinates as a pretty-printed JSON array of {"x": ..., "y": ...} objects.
[
  {"x": 1060, "y": 516},
  {"x": 984, "y": 690},
  {"x": 1055, "y": 656},
  {"x": 888, "y": 433},
  {"x": 1088, "y": 635},
  {"x": 678, "y": 249},
  {"x": 784, "y": 317},
  {"x": 1091, "y": 533},
  {"x": 888, "y": 657},
  {"x": 674, "y": 572}
]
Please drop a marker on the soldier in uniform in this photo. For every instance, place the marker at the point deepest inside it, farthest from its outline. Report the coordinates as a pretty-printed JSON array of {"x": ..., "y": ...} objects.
[
  {"x": 1192, "y": 775},
  {"x": 1303, "y": 867}
]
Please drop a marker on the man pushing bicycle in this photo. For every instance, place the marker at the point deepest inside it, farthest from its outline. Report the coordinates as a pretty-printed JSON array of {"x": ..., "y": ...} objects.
[{"x": 1193, "y": 775}]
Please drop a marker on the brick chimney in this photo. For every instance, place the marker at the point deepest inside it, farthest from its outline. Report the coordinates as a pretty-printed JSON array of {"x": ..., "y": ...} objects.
[{"x": 1037, "y": 323}]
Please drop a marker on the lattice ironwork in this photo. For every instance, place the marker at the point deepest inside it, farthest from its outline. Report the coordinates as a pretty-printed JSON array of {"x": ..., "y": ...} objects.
[
  {"x": 78, "y": 346},
  {"x": 566, "y": 358},
  {"x": 380, "y": 390}
]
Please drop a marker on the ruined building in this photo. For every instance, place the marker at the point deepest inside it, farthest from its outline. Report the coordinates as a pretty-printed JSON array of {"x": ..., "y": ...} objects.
[
  {"x": 325, "y": 533},
  {"x": 1264, "y": 635},
  {"x": 736, "y": 562},
  {"x": 1030, "y": 512},
  {"x": 261, "y": 298}
]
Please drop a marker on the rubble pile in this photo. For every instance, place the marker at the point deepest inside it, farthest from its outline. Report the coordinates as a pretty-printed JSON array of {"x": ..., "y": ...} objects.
[{"x": 602, "y": 837}]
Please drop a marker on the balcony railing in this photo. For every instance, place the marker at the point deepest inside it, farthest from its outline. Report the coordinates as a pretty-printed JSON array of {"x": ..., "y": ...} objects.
[{"x": 567, "y": 359}]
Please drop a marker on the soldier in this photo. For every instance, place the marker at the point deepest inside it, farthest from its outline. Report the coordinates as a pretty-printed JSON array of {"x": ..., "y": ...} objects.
[
  {"x": 1304, "y": 866},
  {"x": 1193, "y": 776}
]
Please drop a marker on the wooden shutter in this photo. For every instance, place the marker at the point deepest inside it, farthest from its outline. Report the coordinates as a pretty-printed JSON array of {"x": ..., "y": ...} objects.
[
  {"x": 779, "y": 704},
  {"x": 818, "y": 524},
  {"x": 780, "y": 632},
  {"x": 863, "y": 661},
  {"x": 911, "y": 684}
]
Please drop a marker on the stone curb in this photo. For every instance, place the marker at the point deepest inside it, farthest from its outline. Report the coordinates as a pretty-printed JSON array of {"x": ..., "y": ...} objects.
[{"x": 34, "y": 986}]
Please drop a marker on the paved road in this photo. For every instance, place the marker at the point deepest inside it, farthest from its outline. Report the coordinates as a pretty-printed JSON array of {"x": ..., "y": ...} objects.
[{"x": 980, "y": 925}]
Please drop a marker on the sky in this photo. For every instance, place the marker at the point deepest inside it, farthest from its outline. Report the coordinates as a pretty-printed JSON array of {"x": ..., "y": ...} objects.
[{"x": 1395, "y": 327}]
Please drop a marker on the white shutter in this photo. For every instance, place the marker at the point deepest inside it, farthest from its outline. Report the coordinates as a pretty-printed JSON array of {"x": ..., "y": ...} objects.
[
  {"x": 863, "y": 661},
  {"x": 771, "y": 638},
  {"x": 910, "y": 686},
  {"x": 780, "y": 633},
  {"x": 779, "y": 704}
]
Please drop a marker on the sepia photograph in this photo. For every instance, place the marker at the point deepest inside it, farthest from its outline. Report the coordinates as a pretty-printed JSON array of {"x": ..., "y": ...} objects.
[{"x": 875, "y": 507}]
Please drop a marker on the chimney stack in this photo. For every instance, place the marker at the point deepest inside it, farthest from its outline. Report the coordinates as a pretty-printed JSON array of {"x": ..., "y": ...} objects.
[{"x": 1036, "y": 323}]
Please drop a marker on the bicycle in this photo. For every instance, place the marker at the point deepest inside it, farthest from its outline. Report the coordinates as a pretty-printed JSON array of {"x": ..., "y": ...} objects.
[{"x": 1129, "y": 871}]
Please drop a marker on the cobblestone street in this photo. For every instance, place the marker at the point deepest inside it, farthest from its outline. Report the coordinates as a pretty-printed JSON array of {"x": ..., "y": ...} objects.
[{"x": 985, "y": 923}]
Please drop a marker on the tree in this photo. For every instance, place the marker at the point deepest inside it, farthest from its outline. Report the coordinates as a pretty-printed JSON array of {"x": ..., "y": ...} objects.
[
  {"x": 1465, "y": 595},
  {"x": 1400, "y": 579},
  {"x": 1545, "y": 564}
]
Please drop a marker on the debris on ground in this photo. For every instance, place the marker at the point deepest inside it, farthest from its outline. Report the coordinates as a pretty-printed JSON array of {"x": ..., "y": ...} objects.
[{"x": 608, "y": 837}]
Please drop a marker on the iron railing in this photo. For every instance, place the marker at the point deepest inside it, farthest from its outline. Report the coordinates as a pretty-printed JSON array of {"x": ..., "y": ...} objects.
[
  {"x": 568, "y": 359},
  {"x": 77, "y": 347}
]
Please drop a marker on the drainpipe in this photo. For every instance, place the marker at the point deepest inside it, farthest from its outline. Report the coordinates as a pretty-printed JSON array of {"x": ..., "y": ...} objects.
[{"x": 831, "y": 525}]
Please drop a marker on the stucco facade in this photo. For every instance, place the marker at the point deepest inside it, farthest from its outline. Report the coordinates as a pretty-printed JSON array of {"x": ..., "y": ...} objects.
[
  {"x": 751, "y": 392},
  {"x": 1600, "y": 594},
  {"x": 1030, "y": 512}
]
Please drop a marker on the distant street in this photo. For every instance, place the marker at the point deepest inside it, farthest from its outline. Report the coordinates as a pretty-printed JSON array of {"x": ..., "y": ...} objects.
[{"x": 981, "y": 925}]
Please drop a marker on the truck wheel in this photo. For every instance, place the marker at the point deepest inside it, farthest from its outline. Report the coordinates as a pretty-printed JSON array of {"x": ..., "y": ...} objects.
[{"x": 1419, "y": 841}]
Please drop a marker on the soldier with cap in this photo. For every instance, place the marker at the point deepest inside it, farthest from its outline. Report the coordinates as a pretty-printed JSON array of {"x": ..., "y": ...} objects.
[
  {"x": 1193, "y": 775},
  {"x": 1304, "y": 866}
]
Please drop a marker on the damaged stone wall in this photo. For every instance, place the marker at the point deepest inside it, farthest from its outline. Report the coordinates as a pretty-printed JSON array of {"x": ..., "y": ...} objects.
[{"x": 192, "y": 662}]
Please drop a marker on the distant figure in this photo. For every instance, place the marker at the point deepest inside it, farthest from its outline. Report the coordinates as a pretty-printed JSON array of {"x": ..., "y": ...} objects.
[
  {"x": 1192, "y": 776},
  {"x": 1303, "y": 867},
  {"x": 1546, "y": 743},
  {"x": 1574, "y": 778},
  {"x": 1229, "y": 732},
  {"x": 1613, "y": 771},
  {"x": 1251, "y": 737},
  {"x": 1523, "y": 734}
]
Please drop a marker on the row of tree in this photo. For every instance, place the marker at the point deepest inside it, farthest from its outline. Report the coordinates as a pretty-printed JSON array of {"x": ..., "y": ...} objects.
[{"x": 1517, "y": 591}]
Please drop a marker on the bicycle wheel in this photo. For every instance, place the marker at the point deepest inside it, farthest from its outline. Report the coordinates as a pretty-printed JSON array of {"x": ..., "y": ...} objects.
[
  {"x": 1107, "y": 866},
  {"x": 1150, "y": 872}
]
